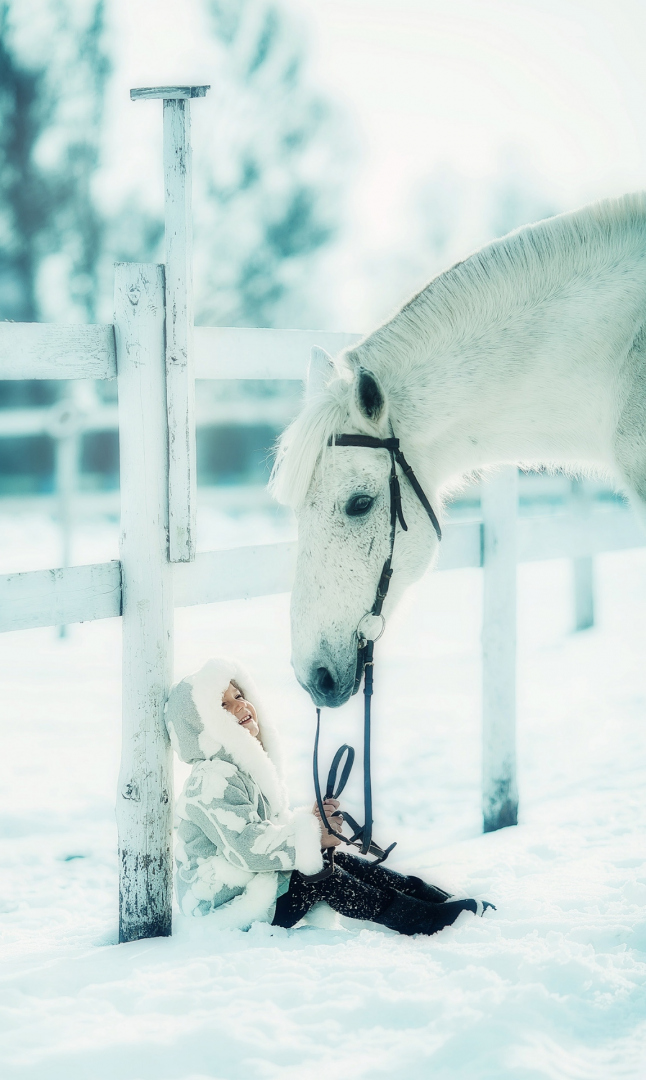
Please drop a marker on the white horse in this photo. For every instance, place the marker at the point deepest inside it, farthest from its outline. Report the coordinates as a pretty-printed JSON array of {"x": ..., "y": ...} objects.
[{"x": 532, "y": 351}]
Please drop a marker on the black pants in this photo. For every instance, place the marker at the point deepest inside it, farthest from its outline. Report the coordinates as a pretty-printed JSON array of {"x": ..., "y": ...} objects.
[{"x": 356, "y": 889}]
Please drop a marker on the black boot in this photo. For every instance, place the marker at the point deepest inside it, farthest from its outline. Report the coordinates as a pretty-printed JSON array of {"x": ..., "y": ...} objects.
[
  {"x": 430, "y": 894},
  {"x": 410, "y": 916}
]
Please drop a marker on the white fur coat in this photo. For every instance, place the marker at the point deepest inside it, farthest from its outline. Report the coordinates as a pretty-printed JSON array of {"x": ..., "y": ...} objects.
[{"x": 237, "y": 840}]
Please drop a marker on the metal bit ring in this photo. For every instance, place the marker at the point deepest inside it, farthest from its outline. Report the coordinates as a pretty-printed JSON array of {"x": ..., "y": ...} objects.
[{"x": 364, "y": 637}]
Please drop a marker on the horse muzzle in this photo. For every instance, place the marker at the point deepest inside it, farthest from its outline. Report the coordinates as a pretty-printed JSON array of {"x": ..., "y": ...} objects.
[{"x": 327, "y": 688}]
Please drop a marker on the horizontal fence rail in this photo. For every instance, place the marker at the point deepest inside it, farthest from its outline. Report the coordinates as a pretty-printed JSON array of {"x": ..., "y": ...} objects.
[
  {"x": 57, "y": 597},
  {"x": 235, "y": 574},
  {"x": 83, "y": 593},
  {"x": 53, "y": 351}
]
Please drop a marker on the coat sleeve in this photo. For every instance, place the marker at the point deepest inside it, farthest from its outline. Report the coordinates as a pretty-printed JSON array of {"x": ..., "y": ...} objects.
[{"x": 221, "y": 805}]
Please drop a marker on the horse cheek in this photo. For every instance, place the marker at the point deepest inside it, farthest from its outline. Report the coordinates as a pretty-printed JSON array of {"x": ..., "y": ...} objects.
[
  {"x": 308, "y": 603},
  {"x": 328, "y": 599}
]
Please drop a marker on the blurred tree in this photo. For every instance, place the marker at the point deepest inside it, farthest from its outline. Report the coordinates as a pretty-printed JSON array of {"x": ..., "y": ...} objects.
[
  {"x": 52, "y": 75},
  {"x": 270, "y": 156},
  {"x": 21, "y": 217},
  {"x": 267, "y": 188}
]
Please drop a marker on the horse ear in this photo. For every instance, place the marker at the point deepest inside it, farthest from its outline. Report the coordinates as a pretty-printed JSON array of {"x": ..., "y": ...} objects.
[
  {"x": 369, "y": 395},
  {"x": 319, "y": 369}
]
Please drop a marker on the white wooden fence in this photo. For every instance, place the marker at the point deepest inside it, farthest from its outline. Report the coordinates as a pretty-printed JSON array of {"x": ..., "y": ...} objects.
[{"x": 158, "y": 569}]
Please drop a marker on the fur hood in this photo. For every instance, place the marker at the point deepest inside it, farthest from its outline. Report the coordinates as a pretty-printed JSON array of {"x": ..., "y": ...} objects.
[{"x": 199, "y": 727}]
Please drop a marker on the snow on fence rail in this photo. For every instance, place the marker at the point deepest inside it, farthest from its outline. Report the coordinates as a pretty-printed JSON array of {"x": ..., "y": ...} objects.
[{"x": 158, "y": 570}]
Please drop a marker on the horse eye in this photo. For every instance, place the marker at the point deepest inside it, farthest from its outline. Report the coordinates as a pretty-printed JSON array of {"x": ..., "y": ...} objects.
[{"x": 358, "y": 505}]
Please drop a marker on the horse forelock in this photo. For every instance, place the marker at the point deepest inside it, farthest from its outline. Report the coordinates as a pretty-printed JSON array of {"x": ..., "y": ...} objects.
[{"x": 305, "y": 442}]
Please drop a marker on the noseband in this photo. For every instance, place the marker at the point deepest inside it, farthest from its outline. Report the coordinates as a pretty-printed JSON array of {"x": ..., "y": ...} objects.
[{"x": 362, "y": 836}]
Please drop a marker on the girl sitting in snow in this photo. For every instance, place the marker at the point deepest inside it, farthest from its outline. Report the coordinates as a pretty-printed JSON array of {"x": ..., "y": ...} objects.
[{"x": 242, "y": 855}]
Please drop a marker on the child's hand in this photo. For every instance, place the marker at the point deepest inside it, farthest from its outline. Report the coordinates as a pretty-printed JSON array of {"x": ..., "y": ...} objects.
[
  {"x": 329, "y": 805},
  {"x": 328, "y": 839}
]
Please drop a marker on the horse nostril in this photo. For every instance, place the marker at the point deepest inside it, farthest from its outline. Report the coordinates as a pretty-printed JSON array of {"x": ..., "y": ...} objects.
[{"x": 325, "y": 683}]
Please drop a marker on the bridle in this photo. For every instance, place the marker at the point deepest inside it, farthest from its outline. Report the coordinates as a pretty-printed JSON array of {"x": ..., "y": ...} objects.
[{"x": 362, "y": 835}]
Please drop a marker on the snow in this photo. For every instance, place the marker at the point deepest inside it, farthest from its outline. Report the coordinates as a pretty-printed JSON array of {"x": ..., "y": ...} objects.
[{"x": 551, "y": 985}]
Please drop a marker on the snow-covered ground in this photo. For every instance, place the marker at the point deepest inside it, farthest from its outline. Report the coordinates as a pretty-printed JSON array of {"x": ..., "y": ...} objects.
[{"x": 552, "y": 985}]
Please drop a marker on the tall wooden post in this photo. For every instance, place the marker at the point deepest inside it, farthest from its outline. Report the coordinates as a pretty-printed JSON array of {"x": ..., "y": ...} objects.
[
  {"x": 179, "y": 314},
  {"x": 499, "y": 788},
  {"x": 145, "y": 791}
]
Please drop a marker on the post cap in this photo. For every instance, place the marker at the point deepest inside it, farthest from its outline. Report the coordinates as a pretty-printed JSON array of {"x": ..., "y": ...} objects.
[{"x": 168, "y": 92}]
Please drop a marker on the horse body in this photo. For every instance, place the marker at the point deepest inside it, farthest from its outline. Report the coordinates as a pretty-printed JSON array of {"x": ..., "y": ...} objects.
[{"x": 532, "y": 351}]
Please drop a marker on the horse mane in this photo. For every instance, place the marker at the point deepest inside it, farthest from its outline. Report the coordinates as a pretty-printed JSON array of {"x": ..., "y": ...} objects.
[{"x": 502, "y": 281}]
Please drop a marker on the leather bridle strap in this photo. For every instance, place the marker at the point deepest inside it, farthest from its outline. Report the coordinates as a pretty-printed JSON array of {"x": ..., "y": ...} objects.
[
  {"x": 362, "y": 836},
  {"x": 392, "y": 445},
  {"x": 396, "y": 514}
]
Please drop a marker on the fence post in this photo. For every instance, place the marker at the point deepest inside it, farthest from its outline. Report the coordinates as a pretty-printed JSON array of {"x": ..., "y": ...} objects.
[
  {"x": 145, "y": 793},
  {"x": 179, "y": 329},
  {"x": 499, "y": 500},
  {"x": 179, "y": 312},
  {"x": 582, "y": 567}
]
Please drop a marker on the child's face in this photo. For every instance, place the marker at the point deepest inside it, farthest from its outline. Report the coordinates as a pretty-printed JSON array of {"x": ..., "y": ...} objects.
[{"x": 241, "y": 710}]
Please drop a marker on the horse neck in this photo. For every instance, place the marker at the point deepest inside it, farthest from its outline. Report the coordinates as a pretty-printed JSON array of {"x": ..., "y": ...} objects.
[
  {"x": 526, "y": 371},
  {"x": 452, "y": 427},
  {"x": 455, "y": 418}
]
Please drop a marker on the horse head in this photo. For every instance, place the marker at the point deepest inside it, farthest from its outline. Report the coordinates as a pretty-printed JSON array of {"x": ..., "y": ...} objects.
[{"x": 341, "y": 495}]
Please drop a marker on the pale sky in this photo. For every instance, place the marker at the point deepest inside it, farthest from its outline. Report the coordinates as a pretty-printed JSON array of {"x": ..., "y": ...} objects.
[
  {"x": 455, "y": 81},
  {"x": 458, "y": 83}
]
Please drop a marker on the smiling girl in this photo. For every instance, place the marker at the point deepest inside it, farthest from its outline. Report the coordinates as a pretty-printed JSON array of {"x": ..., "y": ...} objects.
[{"x": 242, "y": 855}]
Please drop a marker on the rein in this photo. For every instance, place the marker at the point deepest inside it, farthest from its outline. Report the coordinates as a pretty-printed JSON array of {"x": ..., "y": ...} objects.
[{"x": 362, "y": 834}]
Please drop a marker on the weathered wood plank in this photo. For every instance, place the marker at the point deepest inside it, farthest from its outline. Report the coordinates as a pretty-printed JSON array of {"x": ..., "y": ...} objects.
[
  {"x": 180, "y": 377},
  {"x": 235, "y": 574},
  {"x": 224, "y": 352},
  {"x": 145, "y": 792},
  {"x": 50, "y": 351},
  {"x": 168, "y": 92},
  {"x": 499, "y": 786},
  {"x": 57, "y": 597}
]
